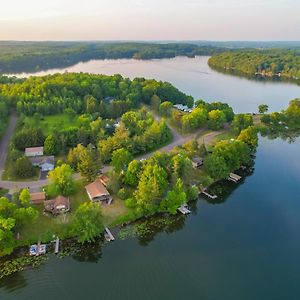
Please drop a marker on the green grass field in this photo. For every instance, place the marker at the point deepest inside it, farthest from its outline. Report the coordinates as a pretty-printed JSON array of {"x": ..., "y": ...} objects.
[{"x": 51, "y": 123}]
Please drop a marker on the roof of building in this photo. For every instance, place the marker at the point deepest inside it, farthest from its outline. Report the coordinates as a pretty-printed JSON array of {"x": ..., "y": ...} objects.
[
  {"x": 38, "y": 196},
  {"x": 96, "y": 189},
  {"x": 197, "y": 159},
  {"x": 40, "y": 160},
  {"x": 34, "y": 149},
  {"x": 54, "y": 205},
  {"x": 104, "y": 179}
]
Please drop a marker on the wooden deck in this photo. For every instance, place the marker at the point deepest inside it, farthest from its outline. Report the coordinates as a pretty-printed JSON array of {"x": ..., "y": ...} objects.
[
  {"x": 234, "y": 177},
  {"x": 56, "y": 249},
  {"x": 108, "y": 235},
  {"x": 184, "y": 209},
  {"x": 209, "y": 195}
]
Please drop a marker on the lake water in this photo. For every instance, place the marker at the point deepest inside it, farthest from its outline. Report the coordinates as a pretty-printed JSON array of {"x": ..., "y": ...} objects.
[
  {"x": 244, "y": 248},
  {"x": 196, "y": 78}
]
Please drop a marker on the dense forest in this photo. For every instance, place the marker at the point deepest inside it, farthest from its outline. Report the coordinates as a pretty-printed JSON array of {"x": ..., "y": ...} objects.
[
  {"x": 270, "y": 62},
  {"x": 109, "y": 96},
  {"x": 16, "y": 57}
]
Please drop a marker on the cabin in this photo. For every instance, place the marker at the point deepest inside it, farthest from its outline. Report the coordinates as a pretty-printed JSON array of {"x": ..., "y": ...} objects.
[
  {"x": 34, "y": 151},
  {"x": 37, "y": 198},
  {"x": 197, "y": 162},
  {"x": 57, "y": 206},
  {"x": 97, "y": 192},
  {"x": 45, "y": 163}
]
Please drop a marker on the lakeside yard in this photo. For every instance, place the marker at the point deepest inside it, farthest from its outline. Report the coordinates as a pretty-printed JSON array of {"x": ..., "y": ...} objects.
[{"x": 47, "y": 225}]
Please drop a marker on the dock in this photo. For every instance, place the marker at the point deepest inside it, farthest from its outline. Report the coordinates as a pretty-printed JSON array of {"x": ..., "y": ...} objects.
[
  {"x": 108, "y": 235},
  {"x": 234, "y": 177},
  {"x": 209, "y": 195},
  {"x": 184, "y": 209},
  {"x": 56, "y": 249}
]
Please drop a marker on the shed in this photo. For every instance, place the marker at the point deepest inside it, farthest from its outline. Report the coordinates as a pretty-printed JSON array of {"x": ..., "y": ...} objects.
[
  {"x": 34, "y": 151},
  {"x": 97, "y": 192},
  {"x": 58, "y": 205},
  {"x": 38, "y": 198}
]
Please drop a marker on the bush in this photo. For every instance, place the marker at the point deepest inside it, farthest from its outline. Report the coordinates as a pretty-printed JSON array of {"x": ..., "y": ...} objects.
[
  {"x": 192, "y": 193},
  {"x": 123, "y": 194}
]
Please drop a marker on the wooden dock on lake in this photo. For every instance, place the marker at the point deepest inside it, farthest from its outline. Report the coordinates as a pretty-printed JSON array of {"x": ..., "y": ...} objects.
[
  {"x": 108, "y": 235},
  {"x": 209, "y": 195},
  {"x": 234, "y": 177},
  {"x": 56, "y": 248}
]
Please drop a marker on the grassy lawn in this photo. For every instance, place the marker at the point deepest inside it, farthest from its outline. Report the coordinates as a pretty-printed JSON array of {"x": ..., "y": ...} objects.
[
  {"x": 112, "y": 212},
  {"x": 49, "y": 123},
  {"x": 223, "y": 136}
]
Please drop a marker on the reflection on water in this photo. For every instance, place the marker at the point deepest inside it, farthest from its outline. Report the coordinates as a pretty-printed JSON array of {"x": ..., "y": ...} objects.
[{"x": 14, "y": 282}]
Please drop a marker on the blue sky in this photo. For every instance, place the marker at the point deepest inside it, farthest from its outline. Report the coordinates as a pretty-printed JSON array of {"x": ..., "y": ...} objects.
[{"x": 150, "y": 20}]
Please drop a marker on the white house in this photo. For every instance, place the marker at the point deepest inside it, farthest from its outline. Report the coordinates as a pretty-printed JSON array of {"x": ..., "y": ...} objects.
[
  {"x": 34, "y": 151},
  {"x": 46, "y": 163}
]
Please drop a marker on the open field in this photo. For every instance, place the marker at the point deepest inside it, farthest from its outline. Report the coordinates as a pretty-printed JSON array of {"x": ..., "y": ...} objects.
[{"x": 54, "y": 122}]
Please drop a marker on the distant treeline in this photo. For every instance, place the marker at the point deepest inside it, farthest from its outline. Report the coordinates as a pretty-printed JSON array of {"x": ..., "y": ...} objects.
[
  {"x": 269, "y": 62},
  {"x": 16, "y": 57}
]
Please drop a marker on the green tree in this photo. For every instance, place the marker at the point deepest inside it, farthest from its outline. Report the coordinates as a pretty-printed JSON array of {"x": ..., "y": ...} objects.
[
  {"x": 155, "y": 102},
  {"x": 24, "y": 167},
  {"x": 216, "y": 119},
  {"x": 263, "y": 108},
  {"x": 216, "y": 167},
  {"x": 121, "y": 159},
  {"x": 25, "y": 197},
  {"x": 249, "y": 136},
  {"x": 165, "y": 108},
  {"x": 61, "y": 179},
  {"x": 132, "y": 173},
  {"x": 51, "y": 146},
  {"x": 89, "y": 163},
  {"x": 242, "y": 121},
  {"x": 174, "y": 199},
  {"x": 87, "y": 222},
  {"x": 152, "y": 184},
  {"x": 91, "y": 104}
]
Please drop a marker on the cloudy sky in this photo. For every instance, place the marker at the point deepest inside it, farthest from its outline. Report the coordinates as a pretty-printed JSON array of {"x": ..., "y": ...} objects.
[{"x": 150, "y": 20}]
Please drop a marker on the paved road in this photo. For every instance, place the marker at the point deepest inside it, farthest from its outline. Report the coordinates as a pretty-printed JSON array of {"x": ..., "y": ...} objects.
[
  {"x": 5, "y": 141},
  {"x": 178, "y": 139}
]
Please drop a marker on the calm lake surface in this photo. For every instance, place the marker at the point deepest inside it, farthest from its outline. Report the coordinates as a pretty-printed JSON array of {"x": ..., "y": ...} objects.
[
  {"x": 194, "y": 77},
  {"x": 246, "y": 247}
]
